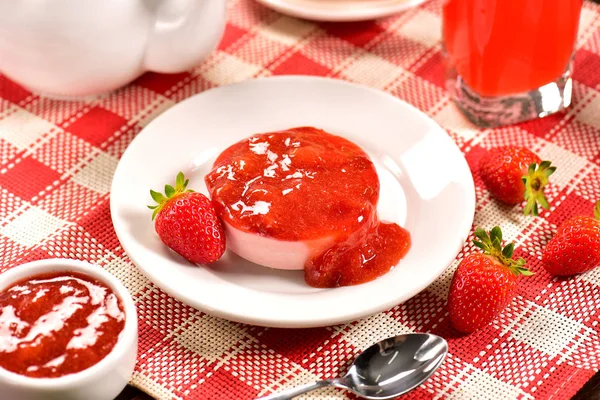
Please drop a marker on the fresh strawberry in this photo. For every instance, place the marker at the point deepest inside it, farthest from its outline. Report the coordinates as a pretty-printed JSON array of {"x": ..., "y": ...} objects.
[
  {"x": 513, "y": 174},
  {"x": 576, "y": 246},
  {"x": 186, "y": 221},
  {"x": 484, "y": 283}
]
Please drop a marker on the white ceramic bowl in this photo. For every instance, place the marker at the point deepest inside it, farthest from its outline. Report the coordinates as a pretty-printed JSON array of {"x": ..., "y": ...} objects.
[{"x": 102, "y": 381}]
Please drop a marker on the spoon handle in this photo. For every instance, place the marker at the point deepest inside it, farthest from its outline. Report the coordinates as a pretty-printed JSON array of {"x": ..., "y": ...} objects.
[{"x": 297, "y": 391}]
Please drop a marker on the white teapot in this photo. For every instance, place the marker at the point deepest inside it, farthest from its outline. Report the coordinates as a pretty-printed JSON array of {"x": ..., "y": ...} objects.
[{"x": 74, "y": 48}]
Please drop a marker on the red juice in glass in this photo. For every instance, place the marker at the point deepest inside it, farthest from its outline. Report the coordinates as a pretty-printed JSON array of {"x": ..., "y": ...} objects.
[{"x": 507, "y": 60}]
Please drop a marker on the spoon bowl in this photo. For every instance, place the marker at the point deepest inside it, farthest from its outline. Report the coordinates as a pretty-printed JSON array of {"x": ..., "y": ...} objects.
[{"x": 385, "y": 370}]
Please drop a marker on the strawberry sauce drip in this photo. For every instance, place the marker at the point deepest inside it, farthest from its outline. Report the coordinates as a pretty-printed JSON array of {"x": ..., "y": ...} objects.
[
  {"x": 304, "y": 184},
  {"x": 361, "y": 257},
  {"x": 57, "y": 324}
]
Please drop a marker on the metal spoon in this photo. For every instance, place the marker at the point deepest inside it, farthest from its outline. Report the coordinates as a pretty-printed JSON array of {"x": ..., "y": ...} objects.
[{"x": 385, "y": 370}]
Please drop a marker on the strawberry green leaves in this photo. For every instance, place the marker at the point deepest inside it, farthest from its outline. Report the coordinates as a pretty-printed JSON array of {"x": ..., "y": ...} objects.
[
  {"x": 157, "y": 197},
  {"x": 170, "y": 192},
  {"x": 491, "y": 244},
  {"x": 508, "y": 250},
  {"x": 536, "y": 179},
  {"x": 597, "y": 210}
]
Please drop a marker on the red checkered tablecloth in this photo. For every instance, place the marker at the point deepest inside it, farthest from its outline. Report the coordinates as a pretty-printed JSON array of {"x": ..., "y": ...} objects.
[{"x": 57, "y": 159}]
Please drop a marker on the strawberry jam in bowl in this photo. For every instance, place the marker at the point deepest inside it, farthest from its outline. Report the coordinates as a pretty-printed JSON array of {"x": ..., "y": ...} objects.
[
  {"x": 303, "y": 198},
  {"x": 68, "y": 330}
]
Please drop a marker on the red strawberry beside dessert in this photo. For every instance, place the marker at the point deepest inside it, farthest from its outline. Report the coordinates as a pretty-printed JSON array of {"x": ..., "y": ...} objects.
[
  {"x": 484, "y": 283},
  {"x": 187, "y": 223},
  {"x": 305, "y": 199},
  {"x": 576, "y": 246},
  {"x": 513, "y": 174}
]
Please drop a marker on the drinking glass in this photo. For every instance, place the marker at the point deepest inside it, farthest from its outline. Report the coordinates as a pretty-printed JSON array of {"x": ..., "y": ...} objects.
[{"x": 509, "y": 61}]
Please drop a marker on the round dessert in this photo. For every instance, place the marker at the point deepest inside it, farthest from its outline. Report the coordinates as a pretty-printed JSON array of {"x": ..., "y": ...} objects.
[
  {"x": 56, "y": 324},
  {"x": 305, "y": 199}
]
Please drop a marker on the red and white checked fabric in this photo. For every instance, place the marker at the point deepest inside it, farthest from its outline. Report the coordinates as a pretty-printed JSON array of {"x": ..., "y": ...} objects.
[{"x": 57, "y": 160}]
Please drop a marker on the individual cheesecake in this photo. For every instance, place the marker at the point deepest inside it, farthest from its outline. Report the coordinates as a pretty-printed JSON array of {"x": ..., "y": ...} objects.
[{"x": 305, "y": 199}]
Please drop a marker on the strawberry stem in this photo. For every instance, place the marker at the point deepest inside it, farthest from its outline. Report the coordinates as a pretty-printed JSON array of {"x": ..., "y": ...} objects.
[
  {"x": 491, "y": 244},
  {"x": 170, "y": 192},
  {"x": 535, "y": 181}
]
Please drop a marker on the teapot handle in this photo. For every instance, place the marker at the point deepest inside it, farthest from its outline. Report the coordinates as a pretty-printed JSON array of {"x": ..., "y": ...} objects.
[{"x": 184, "y": 33}]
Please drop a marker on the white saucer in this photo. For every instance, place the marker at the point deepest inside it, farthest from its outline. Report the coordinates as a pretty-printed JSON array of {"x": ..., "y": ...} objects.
[
  {"x": 426, "y": 186},
  {"x": 340, "y": 10}
]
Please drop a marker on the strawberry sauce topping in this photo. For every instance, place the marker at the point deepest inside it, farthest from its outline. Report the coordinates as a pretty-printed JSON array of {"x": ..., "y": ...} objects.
[
  {"x": 57, "y": 324},
  {"x": 304, "y": 184}
]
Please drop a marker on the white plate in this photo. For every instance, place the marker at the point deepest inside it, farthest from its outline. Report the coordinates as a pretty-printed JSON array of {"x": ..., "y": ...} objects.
[
  {"x": 426, "y": 186},
  {"x": 340, "y": 10}
]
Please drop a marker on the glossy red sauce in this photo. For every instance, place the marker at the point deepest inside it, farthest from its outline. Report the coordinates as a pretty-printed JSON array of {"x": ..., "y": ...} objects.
[
  {"x": 57, "y": 324},
  {"x": 304, "y": 184}
]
